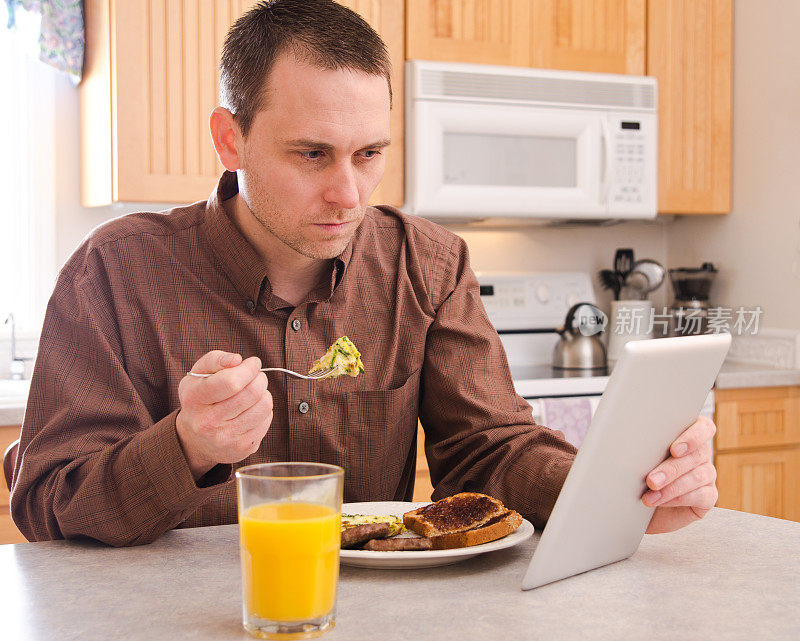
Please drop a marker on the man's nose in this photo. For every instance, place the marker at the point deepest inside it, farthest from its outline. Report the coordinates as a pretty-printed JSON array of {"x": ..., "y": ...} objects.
[{"x": 342, "y": 189}]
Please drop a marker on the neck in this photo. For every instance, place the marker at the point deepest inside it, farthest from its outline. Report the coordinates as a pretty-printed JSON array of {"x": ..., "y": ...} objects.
[{"x": 291, "y": 274}]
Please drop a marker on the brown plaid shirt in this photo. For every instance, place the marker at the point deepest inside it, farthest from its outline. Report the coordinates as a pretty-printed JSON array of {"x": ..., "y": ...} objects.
[{"x": 147, "y": 294}]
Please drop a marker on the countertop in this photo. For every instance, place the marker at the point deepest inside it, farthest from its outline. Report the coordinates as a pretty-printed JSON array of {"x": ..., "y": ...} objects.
[
  {"x": 733, "y": 374},
  {"x": 730, "y": 576},
  {"x": 739, "y": 374}
]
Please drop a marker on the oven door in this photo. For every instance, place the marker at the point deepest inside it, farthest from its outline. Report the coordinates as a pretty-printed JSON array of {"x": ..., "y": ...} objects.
[
  {"x": 570, "y": 415},
  {"x": 470, "y": 160}
]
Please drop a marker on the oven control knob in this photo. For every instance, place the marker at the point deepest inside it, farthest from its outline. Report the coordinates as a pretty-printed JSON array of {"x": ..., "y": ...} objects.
[{"x": 543, "y": 293}]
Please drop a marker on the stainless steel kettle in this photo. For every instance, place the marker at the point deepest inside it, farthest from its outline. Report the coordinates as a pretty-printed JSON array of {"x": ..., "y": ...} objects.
[{"x": 579, "y": 351}]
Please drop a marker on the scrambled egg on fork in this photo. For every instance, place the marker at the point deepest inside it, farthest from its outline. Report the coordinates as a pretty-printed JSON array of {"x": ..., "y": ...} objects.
[{"x": 343, "y": 357}]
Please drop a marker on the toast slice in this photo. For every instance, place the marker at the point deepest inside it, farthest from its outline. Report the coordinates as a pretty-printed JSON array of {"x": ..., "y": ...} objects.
[
  {"x": 457, "y": 513},
  {"x": 496, "y": 528}
]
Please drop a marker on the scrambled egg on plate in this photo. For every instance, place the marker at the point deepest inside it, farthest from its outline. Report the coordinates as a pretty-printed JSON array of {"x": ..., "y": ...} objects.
[{"x": 395, "y": 522}]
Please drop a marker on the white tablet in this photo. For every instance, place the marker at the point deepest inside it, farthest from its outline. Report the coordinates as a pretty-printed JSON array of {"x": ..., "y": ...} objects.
[{"x": 655, "y": 391}]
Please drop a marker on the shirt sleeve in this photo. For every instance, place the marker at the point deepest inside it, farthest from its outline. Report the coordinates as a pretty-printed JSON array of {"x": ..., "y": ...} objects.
[
  {"x": 94, "y": 462},
  {"x": 479, "y": 434}
]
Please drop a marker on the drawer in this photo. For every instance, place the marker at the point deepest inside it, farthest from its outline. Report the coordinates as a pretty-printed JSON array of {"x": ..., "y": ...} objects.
[
  {"x": 8, "y": 531},
  {"x": 764, "y": 482},
  {"x": 757, "y": 417}
]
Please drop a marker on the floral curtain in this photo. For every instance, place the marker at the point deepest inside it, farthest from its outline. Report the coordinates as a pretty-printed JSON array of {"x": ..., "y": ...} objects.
[{"x": 62, "y": 38}]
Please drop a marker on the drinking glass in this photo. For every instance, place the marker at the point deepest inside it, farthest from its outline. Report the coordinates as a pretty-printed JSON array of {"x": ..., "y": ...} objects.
[{"x": 289, "y": 521}]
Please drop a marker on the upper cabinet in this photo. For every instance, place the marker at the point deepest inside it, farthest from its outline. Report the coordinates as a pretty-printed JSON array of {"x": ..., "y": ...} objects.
[
  {"x": 685, "y": 44},
  {"x": 689, "y": 51},
  {"x": 151, "y": 80},
  {"x": 582, "y": 35},
  {"x": 387, "y": 18}
]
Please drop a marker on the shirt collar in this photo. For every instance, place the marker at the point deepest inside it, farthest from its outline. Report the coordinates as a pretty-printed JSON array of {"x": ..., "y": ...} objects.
[{"x": 239, "y": 259}]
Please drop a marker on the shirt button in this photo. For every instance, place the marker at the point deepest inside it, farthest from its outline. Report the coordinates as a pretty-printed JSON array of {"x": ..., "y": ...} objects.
[
  {"x": 303, "y": 407},
  {"x": 295, "y": 324},
  {"x": 251, "y": 305}
]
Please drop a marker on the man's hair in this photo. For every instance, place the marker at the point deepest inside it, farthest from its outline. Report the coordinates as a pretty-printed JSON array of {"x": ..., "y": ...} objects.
[{"x": 322, "y": 33}]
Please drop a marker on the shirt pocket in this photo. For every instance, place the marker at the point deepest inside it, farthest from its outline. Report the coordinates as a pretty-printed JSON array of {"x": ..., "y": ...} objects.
[{"x": 380, "y": 429}]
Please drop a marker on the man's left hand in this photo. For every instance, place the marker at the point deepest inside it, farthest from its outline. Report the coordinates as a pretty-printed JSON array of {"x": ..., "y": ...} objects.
[{"x": 684, "y": 486}]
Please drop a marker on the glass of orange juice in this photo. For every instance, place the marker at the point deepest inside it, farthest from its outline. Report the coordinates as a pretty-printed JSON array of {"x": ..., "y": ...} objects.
[{"x": 289, "y": 521}]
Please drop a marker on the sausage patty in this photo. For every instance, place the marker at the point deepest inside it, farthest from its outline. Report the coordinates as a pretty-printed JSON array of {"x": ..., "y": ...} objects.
[{"x": 356, "y": 535}]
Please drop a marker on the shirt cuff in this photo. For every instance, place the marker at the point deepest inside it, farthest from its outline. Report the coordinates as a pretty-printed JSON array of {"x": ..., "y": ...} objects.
[{"x": 163, "y": 461}]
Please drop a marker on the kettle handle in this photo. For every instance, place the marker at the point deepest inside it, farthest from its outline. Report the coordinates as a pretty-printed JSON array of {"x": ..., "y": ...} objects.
[{"x": 571, "y": 315}]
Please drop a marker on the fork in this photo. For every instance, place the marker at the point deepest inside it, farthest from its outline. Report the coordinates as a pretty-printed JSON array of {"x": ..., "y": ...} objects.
[{"x": 323, "y": 373}]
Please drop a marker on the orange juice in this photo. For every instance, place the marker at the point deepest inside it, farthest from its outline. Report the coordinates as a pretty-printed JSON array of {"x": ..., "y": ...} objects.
[{"x": 290, "y": 560}]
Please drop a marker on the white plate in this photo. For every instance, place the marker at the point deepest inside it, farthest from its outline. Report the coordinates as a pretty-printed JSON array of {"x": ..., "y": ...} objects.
[{"x": 404, "y": 560}]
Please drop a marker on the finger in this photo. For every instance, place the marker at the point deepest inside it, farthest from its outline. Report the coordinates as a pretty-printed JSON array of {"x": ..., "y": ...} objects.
[
  {"x": 693, "y": 437},
  {"x": 229, "y": 382},
  {"x": 215, "y": 361},
  {"x": 255, "y": 422},
  {"x": 698, "y": 477},
  {"x": 673, "y": 468},
  {"x": 252, "y": 393},
  {"x": 704, "y": 498}
]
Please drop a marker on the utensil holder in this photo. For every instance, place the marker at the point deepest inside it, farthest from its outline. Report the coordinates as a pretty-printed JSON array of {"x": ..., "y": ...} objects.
[{"x": 630, "y": 320}]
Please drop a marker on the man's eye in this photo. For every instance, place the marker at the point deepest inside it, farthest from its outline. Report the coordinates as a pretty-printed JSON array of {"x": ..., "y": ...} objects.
[
  {"x": 312, "y": 155},
  {"x": 371, "y": 153}
]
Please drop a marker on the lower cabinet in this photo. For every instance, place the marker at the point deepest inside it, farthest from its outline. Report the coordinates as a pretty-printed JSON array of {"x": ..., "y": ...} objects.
[
  {"x": 8, "y": 531},
  {"x": 422, "y": 481},
  {"x": 757, "y": 450}
]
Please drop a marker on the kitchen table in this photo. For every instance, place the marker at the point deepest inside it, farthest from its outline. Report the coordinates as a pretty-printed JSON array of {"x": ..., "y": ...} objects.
[{"x": 730, "y": 576}]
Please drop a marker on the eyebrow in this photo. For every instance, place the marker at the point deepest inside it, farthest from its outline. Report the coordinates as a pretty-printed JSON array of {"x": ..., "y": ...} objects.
[{"x": 315, "y": 144}]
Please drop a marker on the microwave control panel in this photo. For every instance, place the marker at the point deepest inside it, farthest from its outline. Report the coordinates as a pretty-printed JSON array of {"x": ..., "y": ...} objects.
[{"x": 633, "y": 157}]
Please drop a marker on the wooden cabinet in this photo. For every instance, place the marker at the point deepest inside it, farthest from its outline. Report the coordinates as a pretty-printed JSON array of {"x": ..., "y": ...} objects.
[
  {"x": 689, "y": 51},
  {"x": 582, "y": 35},
  {"x": 8, "y": 531},
  {"x": 387, "y": 18},
  {"x": 422, "y": 481},
  {"x": 685, "y": 44},
  {"x": 151, "y": 80},
  {"x": 757, "y": 450}
]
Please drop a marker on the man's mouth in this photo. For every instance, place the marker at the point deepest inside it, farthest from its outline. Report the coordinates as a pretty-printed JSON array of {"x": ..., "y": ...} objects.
[{"x": 333, "y": 227}]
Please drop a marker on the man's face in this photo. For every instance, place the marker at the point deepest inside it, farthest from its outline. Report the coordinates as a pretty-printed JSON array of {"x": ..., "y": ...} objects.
[{"x": 314, "y": 155}]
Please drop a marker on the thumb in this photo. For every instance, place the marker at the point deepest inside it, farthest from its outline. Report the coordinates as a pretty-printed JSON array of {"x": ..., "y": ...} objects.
[
  {"x": 216, "y": 360},
  {"x": 229, "y": 360}
]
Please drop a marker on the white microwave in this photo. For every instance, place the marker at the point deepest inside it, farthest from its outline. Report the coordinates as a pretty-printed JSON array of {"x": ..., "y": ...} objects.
[{"x": 486, "y": 141}]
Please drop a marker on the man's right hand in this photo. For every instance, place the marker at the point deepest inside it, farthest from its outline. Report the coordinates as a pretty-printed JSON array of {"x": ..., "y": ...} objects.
[{"x": 223, "y": 417}]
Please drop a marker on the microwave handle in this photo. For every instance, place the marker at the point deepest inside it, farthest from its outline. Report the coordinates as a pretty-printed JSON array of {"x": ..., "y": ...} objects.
[{"x": 606, "y": 182}]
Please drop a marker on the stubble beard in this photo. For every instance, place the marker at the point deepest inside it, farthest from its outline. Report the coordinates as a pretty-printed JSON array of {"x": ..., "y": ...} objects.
[{"x": 265, "y": 211}]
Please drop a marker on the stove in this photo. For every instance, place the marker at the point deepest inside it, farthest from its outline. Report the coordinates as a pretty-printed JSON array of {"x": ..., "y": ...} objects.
[{"x": 526, "y": 308}]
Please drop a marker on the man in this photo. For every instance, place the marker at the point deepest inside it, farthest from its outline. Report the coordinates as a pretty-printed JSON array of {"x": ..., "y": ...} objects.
[{"x": 119, "y": 445}]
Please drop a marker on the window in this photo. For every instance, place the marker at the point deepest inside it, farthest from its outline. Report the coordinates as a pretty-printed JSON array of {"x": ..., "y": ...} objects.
[{"x": 27, "y": 175}]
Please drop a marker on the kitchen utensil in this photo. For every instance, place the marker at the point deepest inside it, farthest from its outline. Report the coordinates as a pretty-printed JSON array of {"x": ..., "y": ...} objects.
[
  {"x": 578, "y": 350},
  {"x": 652, "y": 270},
  {"x": 635, "y": 287},
  {"x": 623, "y": 262},
  {"x": 609, "y": 279},
  {"x": 323, "y": 373}
]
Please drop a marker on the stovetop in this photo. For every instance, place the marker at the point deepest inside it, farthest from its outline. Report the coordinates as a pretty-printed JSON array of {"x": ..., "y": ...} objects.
[{"x": 532, "y": 381}]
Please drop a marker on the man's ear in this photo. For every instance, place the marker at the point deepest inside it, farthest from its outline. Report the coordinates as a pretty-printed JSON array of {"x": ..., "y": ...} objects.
[{"x": 227, "y": 136}]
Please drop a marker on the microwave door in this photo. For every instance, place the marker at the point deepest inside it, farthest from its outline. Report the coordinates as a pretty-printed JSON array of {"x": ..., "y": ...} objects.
[{"x": 508, "y": 160}]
